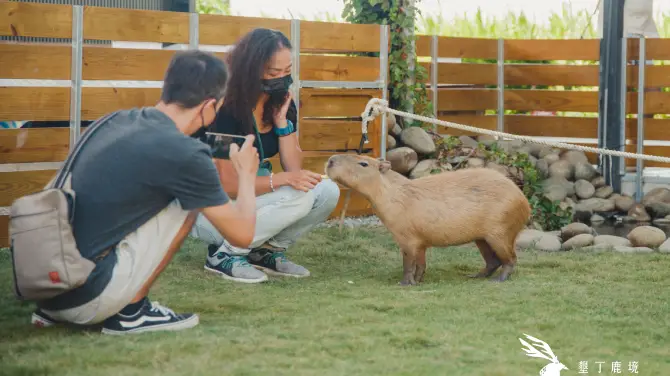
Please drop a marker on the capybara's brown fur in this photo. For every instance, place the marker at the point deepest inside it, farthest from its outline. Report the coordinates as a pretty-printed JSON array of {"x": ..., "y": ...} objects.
[{"x": 477, "y": 205}]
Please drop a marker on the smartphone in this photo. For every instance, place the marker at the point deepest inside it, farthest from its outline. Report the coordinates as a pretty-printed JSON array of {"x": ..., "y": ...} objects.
[{"x": 220, "y": 142}]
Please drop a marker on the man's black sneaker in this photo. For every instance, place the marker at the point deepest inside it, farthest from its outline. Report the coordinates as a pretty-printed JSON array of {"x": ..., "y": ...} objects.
[{"x": 151, "y": 317}]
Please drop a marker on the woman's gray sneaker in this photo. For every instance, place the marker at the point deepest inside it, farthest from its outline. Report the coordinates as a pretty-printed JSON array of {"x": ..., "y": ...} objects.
[
  {"x": 234, "y": 268},
  {"x": 274, "y": 262}
]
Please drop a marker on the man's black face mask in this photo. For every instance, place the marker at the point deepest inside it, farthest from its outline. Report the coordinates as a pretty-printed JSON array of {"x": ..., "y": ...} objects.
[{"x": 277, "y": 86}]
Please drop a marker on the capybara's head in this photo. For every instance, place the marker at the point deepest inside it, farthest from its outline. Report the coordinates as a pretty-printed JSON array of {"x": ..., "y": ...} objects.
[{"x": 356, "y": 171}]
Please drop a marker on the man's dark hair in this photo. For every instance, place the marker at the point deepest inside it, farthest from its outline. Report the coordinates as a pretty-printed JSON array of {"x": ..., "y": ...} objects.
[
  {"x": 192, "y": 77},
  {"x": 247, "y": 63}
]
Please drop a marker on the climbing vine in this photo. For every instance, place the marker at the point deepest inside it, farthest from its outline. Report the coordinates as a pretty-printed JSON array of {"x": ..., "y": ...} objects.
[{"x": 407, "y": 87}]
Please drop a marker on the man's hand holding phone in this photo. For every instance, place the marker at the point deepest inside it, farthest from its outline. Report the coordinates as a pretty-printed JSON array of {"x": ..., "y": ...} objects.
[{"x": 245, "y": 158}]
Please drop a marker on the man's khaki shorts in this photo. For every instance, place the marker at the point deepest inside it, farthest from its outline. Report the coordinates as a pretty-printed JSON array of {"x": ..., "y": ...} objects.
[{"x": 139, "y": 255}]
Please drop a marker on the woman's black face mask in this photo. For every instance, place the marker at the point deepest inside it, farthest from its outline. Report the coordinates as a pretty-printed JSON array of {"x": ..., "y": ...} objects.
[{"x": 277, "y": 86}]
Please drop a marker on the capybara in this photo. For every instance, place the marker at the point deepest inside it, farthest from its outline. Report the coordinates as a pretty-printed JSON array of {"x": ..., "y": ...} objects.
[{"x": 478, "y": 205}]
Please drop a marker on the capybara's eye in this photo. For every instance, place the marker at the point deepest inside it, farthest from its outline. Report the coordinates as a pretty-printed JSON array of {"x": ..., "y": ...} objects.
[{"x": 364, "y": 164}]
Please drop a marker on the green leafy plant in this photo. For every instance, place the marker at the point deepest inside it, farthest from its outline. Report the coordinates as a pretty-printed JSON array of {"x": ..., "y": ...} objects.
[
  {"x": 213, "y": 7},
  {"x": 406, "y": 85}
]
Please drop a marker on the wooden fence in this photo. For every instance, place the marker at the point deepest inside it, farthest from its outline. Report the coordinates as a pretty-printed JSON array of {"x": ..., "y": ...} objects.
[
  {"x": 544, "y": 88},
  {"x": 82, "y": 82}
]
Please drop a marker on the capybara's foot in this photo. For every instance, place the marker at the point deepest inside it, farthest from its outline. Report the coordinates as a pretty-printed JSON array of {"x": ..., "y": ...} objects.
[
  {"x": 408, "y": 280},
  {"x": 486, "y": 271},
  {"x": 419, "y": 273},
  {"x": 505, "y": 273}
]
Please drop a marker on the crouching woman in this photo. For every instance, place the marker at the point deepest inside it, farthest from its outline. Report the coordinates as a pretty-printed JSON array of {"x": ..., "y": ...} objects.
[{"x": 288, "y": 203}]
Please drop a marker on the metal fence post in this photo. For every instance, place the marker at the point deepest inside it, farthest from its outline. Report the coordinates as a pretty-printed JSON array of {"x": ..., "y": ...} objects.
[
  {"x": 295, "y": 69},
  {"x": 193, "y": 30},
  {"x": 622, "y": 108},
  {"x": 501, "y": 85},
  {"x": 434, "y": 55},
  {"x": 383, "y": 79},
  {"x": 640, "y": 117},
  {"x": 75, "y": 73}
]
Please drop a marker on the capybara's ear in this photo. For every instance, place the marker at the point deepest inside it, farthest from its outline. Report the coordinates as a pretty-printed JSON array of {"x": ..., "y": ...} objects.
[{"x": 384, "y": 166}]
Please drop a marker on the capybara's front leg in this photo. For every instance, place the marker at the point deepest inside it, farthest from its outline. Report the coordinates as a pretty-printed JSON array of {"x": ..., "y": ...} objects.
[
  {"x": 420, "y": 264},
  {"x": 492, "y": 261},
  {"x": 409, "y": 266}
]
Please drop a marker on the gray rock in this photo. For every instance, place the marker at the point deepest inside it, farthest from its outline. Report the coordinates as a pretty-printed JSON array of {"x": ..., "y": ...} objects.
[
  {"x": 573, "y": 229},
  {"x": 494, "y": 166},
  {"x": 538, "y": 240},
  {"x": 391, "y": 142},
  {"x": 584, "y": 189},
  {"x": 535, "y": 149},
  {"x": 425, "y": 168},
  {"x": 532, "y": 160},
  {"x": 597, "y": 248},
  {"x": 418, "y": 139},
  {"x": 585, "y": 171},
  {"x": 562, "y": 169},
  {"x": 574, "y": 157},
  {"x": 624, "y": 203},
  {"x": 646, "y": 236},
  {"x": 661, "y": 221},
  {"x": 624, "y": 249},
  {"x": 665, "y": 247},
  {"x": 639, "y": 214},
  {"x": 396, "y": 130},
  {"x": 542, "y": 167},
  {"x": 598, "y": 182},
  {"x": 546, "y": 150},
  {"x": 552, "y": 158},
  {"x": 393, "y": 125},
  {"x": 579, "y": 241},
  {"x": 558, "y": 181},
  {"x": 403, "y": 159},
  {"x": 656, "y": 195},
  {"x": 468, "y": 142},
  {"x": 555, "y": 193},
  {"x": 475, "y": 163},
  {"x": 658, "y": 209},
  {"x": 604, "y": 192},
  {"x": 611, "y": 240},
  {"x": 597, "y": 205},
  {"x": 597, "y": 219}
]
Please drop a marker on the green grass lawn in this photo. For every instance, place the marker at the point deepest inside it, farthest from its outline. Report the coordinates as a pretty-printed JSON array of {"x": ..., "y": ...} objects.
[{"x": 351, "y": 318}]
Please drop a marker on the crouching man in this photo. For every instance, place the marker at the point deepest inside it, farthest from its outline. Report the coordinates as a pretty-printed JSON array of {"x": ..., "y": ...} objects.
[{"x": 140, "y": 180}]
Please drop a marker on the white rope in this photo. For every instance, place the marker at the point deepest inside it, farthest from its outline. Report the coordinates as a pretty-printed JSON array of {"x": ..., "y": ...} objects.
[{"x": 377, "y": 106}]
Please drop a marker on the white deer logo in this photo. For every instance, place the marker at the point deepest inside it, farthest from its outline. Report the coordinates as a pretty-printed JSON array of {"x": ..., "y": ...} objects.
[{"x": 552, "y": 369}]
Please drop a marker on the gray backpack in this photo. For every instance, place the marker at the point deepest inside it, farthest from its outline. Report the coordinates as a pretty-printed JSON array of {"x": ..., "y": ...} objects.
[{"x": 45, "y": 257}]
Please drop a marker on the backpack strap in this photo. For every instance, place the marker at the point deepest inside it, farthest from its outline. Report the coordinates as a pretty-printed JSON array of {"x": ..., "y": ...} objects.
[{"x": 63, "y": 174}]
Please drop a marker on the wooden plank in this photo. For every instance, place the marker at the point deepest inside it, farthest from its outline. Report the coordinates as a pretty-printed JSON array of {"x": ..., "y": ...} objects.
[
  {"x": 552, "y": 49},
  {"x": 340, "y": 37},
  {"x": 475, "y": 48},
  {"x": 657, "y": 49},
  {"x": 227, "y": 30},
  {"x": 35, "y": 61},
  {"x": 35, "y": 20},
  {"x": 135, "y": 25},
  {"x": 466, "y": 99},
  {"x": 34, "y": 145},
  {"x": 464, "y": 73},
  {"x": 330, "y": 135},
  {"x": 654, "y": 103},
  {"x": 552, "y": 126},
  {"x": 338, "y": 68},
  {"x": 422, "y": 45},
  {"x": 102, "y": 63},
  {"x": 551, "y": 74},
  {"x": 654, "y": 129},
  {"x": 551, "y": 100},
  {"x": 335, "y": 102},
  {"x": 654, "y": 76},
  {"x": 17, "y": 184},
  {"x": 35, "y": 103},
  {"x": 479, "y": 121},
  {"x": 4, "y": 231},
  {"x": 98, "y": 101}
]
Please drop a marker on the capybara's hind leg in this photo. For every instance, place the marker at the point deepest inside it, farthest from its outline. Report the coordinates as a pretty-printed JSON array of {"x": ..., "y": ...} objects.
[
  {"x": 492, "y": 261},
  {"x": 409, "y": 265},
  {"x": 504, "y": 250},
  {"x": 420, "y": 264}
]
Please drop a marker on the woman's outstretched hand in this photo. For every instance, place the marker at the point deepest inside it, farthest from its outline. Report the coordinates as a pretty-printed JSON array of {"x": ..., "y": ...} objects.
[{"x": 302, "y": 180}]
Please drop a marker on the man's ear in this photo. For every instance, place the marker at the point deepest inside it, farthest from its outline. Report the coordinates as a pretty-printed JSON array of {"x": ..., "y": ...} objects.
[{"x": 384, "y": 166}]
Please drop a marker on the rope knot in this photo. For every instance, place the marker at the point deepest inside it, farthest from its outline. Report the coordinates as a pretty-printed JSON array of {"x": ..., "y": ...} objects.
[{"x": 373, "y": 109}]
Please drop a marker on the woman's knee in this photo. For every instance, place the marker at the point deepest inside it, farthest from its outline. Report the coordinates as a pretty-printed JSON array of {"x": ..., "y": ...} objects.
[{"x": 327, "y": 194}]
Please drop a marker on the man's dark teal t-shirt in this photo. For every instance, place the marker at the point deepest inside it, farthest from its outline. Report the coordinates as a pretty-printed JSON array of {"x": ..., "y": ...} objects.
[{"x": 130, "y": 169}]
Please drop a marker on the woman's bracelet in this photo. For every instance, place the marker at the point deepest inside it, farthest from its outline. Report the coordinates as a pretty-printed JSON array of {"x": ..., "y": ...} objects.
[{"x": 271, "y": 185}]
